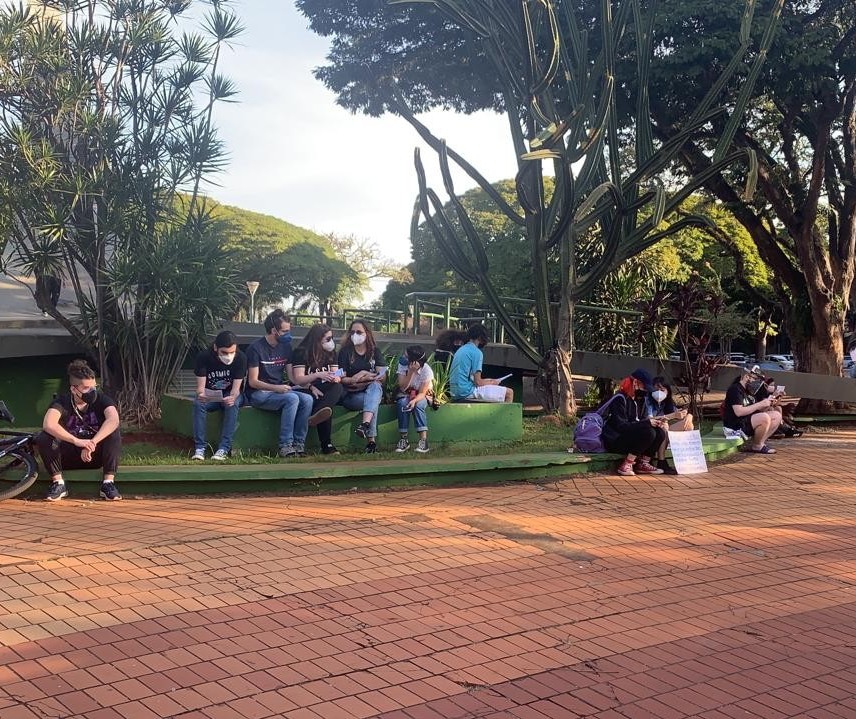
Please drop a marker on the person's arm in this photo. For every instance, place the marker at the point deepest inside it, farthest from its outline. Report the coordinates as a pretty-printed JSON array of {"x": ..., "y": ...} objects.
[
  {"x": 742, "y": 411},
  {"x": 111, "y": 424},
  {"x": 51, "y": 425},
  {"x": 256, "y": 383}
]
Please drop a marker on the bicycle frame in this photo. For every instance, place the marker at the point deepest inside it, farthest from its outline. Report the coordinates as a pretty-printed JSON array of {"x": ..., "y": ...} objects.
[{"x": 20, "y": 440}]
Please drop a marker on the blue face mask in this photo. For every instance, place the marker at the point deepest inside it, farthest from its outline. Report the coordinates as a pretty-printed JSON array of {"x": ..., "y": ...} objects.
[{"x": 285, "y": 339}]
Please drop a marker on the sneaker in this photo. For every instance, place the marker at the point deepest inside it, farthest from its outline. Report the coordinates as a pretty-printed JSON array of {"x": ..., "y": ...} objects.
[
  {"x": 371, "y": 448},
  {"x": 199, "y": 454},
  {"x": 300, "y": 450},
  {"x": 109, "y": 492},
  {"x": 667, "y": 469},
  {"x": 287, "y": 450},
  {"x": 329, "y": 449},
  {"x": 221, "y": 455},
  {"x": 403, "y": 445},
  {"x": 625, "y": 469},
  {"x": 56, "y": 492},
  {"x": 362, "y": 429},
  {"x": 643, "y": 466},
  {"x": 322, "y": 415},
  {"x": 422, "y": 446}
]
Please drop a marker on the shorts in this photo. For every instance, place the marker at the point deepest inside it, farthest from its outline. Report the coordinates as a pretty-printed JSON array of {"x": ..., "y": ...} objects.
[{"x": 488, "y": 393}]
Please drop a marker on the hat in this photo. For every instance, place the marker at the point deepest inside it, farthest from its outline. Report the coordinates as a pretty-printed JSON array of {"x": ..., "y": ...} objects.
[
  {"x": 755, "y": 371},
  {"x": 645, "y": 378}
]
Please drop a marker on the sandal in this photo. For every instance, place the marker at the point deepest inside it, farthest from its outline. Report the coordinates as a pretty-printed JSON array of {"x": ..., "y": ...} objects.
[{"x": 764, "y": 450}]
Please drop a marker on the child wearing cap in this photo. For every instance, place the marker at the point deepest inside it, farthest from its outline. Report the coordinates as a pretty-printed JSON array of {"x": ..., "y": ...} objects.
[{"x": 628, "y": 431}]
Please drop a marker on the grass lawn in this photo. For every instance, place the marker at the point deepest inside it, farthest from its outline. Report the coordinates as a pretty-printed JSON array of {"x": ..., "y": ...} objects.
[{"x": 540, "y": 434}]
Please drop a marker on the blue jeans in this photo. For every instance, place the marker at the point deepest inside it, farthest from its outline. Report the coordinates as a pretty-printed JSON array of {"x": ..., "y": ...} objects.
[
  {"x": 420, "y": 417},
  {"x": 368, "y": 400},
  {"x": 230, "y": 421},
  {"x": 294, "y": 408}
]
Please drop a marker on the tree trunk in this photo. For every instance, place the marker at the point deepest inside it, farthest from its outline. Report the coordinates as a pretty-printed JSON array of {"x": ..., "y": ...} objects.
[{"x": 818, "y": 348}]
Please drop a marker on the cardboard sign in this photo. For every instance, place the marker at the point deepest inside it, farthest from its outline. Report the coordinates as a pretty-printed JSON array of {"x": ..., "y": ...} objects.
[{"x": 687, "y": 452}]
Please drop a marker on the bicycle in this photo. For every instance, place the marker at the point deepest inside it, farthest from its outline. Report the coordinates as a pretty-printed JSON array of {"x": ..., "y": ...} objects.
[{"x": 18, "y": 469}]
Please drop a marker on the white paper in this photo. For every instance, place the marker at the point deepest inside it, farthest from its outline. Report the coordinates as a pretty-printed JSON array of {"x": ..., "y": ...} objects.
[
  {"x": 212, "y": 394},
  {"x": 687, "y": 452},
  {"x": 780, "y": 389},
  {"x": 502, "y": 379}
]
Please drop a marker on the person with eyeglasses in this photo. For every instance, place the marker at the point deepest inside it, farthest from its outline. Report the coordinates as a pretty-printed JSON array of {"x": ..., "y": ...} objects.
[
  {"x": 220, "y": 371},
  {"x": 267, "y": 370},
  {"x": 364, "y": 369},
  {"x": 314, "y": 369},
  {"x": 81, "y": 431}
]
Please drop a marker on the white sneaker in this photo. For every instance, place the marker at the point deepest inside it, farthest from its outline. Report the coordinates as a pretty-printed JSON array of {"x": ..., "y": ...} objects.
[
  {"x": 199, "y": 454},
  {"x": 221, "y": 455}
]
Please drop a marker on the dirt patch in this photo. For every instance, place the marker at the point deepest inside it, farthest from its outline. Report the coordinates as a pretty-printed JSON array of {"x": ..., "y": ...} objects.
[{"x": 162, "y": 440}]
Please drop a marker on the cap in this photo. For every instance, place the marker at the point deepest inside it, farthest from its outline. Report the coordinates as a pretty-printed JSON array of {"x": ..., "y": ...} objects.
[
  {"x": 645, "y": 378},
  {"x": 755, "y": 370}
]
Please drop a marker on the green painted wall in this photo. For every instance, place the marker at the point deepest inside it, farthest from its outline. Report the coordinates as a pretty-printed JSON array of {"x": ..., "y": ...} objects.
[
  {"x": 28, "y": 384},
  {"x": 258, "y": 429}
]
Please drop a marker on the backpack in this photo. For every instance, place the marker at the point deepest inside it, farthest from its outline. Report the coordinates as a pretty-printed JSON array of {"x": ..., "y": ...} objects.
[{"x": 589, "y": 430}]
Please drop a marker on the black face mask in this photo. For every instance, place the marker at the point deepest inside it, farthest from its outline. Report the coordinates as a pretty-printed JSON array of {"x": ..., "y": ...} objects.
[{"x": 89, "y": 396}]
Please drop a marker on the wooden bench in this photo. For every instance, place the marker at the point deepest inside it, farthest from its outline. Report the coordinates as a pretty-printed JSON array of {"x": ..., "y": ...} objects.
[{"x": 259, "y": 429}]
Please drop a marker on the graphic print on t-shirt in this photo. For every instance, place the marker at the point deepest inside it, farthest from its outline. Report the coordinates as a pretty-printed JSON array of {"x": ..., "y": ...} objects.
[{"x": 84, "y": 425}]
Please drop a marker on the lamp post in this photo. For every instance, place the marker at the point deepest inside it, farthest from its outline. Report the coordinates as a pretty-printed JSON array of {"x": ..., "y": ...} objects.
[{"x": 252, "y": 286}]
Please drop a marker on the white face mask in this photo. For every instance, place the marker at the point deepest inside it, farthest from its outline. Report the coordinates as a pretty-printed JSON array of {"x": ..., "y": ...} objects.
[
  {"x": 357, "y": 340},
  {"x": 227, "y": 359},
  {"x": 659, "y": 395},
  {"x": 329, "y": 345}
]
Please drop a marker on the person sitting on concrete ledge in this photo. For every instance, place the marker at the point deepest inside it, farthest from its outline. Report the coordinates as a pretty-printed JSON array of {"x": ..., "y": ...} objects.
[
  {"x": 81, "y": 430},
  {"x": 363, "y": 372},
  {"x": 466, "y": 383},
  {"x": 220, "y": 371},
  {"x": 756, "y": 419},
  {"x": 661, "y": 403},
  {"x": 628, "y": 431}
]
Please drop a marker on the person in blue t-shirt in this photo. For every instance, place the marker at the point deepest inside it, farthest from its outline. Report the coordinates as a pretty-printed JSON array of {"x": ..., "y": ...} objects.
[
  {"x": 465, "y": 374},
  {"x": 268, "y": 361}
]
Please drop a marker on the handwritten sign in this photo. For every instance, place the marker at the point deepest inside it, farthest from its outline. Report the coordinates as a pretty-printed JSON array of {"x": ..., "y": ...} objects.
[{"x": 687, "y": 452}]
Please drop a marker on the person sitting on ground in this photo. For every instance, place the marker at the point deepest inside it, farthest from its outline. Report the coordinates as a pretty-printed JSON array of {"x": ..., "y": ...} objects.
[
  {"x": 661, "y": 404},
  {"x": 220, "y": 371},
  {"x": 743, "y": 413},
  {"x": 466, "y": 383},
  {"x": 267, "y": 365},
  {"x": 364, "y": 369},
  {"x": 629, "y": 432},
  {"x": 314, "y": 369},
  {"x": 81, "y": 431},
  {"x": 415, "y": 382},
  {"x": 766, "y": 387}
]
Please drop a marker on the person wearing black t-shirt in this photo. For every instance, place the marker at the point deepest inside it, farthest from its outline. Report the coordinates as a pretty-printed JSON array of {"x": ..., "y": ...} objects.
[
  {"x": 742, "y": 411},
  {"x": 315, "y": 370},
  {"x": 364, "y": 370},
  {"x": 81, "y": 430},
  {"x": 220, "y": 371}
]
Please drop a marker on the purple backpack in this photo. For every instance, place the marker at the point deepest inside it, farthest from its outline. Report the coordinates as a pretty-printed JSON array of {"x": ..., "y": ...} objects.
[{"x": 587, "y": 433}]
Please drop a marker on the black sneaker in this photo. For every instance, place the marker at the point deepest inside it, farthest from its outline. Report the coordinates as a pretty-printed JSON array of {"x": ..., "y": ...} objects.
[
  {"x": 109, "y": 492},
  {"x": 362, "y": 429},
  {"x": 329, "y": 449},
  {"x": 56, "y": 492},
  {"x": 371, "y": 448}
]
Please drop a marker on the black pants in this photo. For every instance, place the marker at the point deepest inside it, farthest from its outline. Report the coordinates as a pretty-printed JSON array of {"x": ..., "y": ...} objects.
[
  {"x": 58, "y": 455},
  {"x": 332, "y": 394},
  {"x": 639, "y": 438}
]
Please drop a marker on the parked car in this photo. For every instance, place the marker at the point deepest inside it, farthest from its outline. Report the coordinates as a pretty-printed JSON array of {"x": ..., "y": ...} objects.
[{"x": 786, "y": 362}]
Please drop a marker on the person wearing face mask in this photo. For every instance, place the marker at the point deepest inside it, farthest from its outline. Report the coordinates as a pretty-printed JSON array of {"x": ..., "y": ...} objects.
[
  {"x": 743, "y": 412},
  {"x": 628, "y": 431},
  {"x": 465, "y": 373},
  {"x": 220, "y": 371},
  {"x": 661, "y": 404},
  {"x": 364, "y": 369},
  {"x": 81, "y": 431},
  {"x": 766, "y": 387},
  {"x": 314, "y": 369},
  {"x": 415, "y": 382}
]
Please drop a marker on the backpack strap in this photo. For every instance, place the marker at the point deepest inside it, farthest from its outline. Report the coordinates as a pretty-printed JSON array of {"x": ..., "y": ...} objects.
[{"x": 603, "y": 410}]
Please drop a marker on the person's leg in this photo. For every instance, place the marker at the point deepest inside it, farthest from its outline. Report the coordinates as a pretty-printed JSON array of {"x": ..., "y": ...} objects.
[
  {"x": 57, "y": 455},
  {"x": 403, "y": 423},
  {"x": 639, "y": 440},
  {"x": 286, "y": 404},
  {"x": 371, "y": 401},
  {"x": 356, "y": 401},
  {"x": 107, "y": 456},
  {"x": 200, "y": 419},
  {"x": 230, "y": 424},
  {"x": 420, "y": 419},
  {"x": 302, "y": 412},
  {"x": 761, "y": 423},
  {"x": 509, "y": 394}
]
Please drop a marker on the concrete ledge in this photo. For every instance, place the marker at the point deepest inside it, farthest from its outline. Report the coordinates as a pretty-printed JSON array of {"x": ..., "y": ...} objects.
[{"x": 258, "y": 429}]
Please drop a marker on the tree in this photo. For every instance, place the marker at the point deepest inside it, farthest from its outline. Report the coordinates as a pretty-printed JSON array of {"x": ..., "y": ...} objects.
[
  {"x": 801, "y": 127},
  {"x": 551, "y": 69},
  {"x": 366, "y": 262},
  {"x": 107, "y": 136}
]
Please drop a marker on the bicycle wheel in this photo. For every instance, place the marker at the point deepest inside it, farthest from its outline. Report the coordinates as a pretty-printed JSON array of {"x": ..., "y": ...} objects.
[{"x": 17, "y": 473}]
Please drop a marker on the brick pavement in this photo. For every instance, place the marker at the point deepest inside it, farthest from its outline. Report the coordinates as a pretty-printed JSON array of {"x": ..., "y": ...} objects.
[{"x": 725, "y": 595}]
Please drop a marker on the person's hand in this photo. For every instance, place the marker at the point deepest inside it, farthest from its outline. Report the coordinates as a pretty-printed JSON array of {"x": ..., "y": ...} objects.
[
  {"x": 201, "y": 397},
  {"x": 228, "y": 400},
  {"x": 86, "y": 455},
  {"x": 325, "y": 376},
  {"x": 680, "y": 414},
  {"x": 765, "y": 403},
  {"x": 316, "y": 393},
  {"x": 413, "y": 367},
  {"x": 282, "y": 388},
  {"x": 411, "y": 405},
  {"x": 363, "y": 376}
]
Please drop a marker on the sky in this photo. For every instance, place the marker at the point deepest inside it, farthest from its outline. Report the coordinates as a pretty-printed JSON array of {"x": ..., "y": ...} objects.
[{"x": 297, "y": 155}]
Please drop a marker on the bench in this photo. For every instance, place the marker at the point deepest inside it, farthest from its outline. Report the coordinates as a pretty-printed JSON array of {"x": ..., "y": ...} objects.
[{"x": 259, "y": 429}]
